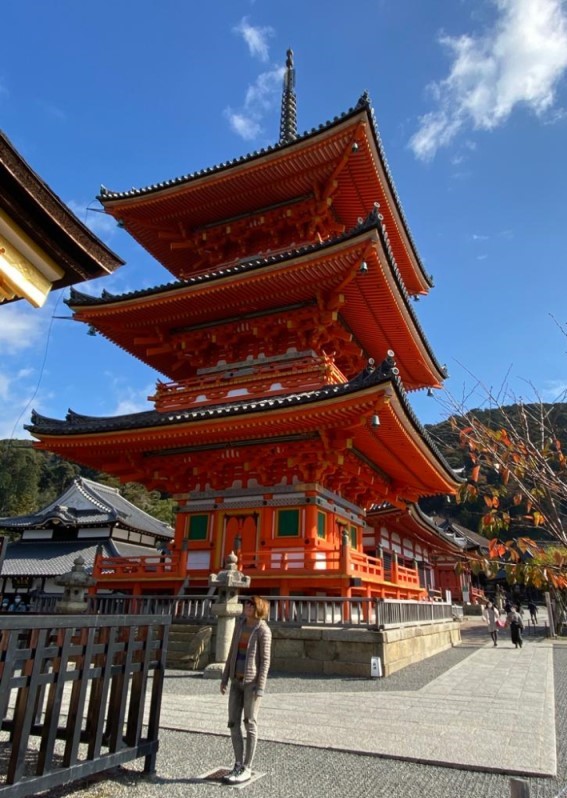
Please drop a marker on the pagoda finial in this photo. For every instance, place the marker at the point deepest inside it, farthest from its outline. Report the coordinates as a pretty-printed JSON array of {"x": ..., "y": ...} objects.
[{"x": 288, "y": 122}]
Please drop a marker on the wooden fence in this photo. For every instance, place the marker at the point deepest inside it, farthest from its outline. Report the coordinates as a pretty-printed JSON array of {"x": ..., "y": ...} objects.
[{"x": 73, "y": 692}]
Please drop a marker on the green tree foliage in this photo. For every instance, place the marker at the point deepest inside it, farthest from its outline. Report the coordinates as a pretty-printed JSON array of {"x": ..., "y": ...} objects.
[
  {"x": 31, "y": 479},
  {"x": 20, "y": 475}
]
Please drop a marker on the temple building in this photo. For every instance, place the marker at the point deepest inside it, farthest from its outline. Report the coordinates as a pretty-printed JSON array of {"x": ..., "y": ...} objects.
[
  {"x": 87, "y": 517},
  {"x": 410, "y": 537},
  {"x": 288, "y": 343},
  {"x": 43, "y": 246}
]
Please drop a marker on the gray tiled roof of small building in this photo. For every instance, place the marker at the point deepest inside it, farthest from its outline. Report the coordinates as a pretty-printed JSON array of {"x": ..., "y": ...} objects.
[
  {"x": 364, "y": 103},
  {"x": 49, "y": 558},
  {"x": 112, "y": 508},
  {"x": 52, "y": 558},
  {"x": 126, "y": 512},
  {"x": 451, "y": 528}
]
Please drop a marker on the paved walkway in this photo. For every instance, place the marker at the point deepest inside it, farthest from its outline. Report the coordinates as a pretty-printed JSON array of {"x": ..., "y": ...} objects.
[
  {"x": 471, "y": 716},
  {"x": 456, "y": 725}
]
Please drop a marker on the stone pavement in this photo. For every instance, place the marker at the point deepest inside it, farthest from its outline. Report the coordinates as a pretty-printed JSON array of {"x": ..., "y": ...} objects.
[
  {"x": 468, "y": 717},
  {"x": 453, "y": 726}
]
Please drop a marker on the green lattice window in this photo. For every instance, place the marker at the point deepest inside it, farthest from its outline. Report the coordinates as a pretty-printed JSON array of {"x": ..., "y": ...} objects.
[
  {"x": 198, "y": 527},
  {"x": 321, "y": 525},
  {"x": 287, "y": 524},
  {"x": 353, "y": 537}
]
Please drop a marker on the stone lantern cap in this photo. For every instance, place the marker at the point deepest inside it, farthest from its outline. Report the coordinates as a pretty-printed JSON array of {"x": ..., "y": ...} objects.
[
  {"x": 77, "y": 577},
  {"x": 230, "y": 576}
]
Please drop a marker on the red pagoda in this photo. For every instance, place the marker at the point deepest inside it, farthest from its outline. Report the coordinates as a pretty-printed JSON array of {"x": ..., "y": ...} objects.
[{"x": 287, "y": 342}]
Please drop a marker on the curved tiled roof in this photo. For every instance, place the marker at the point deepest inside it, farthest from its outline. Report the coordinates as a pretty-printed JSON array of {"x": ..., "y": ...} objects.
[
  {"x": 415, "y": 513},
  {"x": 363, "y": 104},
  {"x": 76, "y": 424},
  {"x": 107, "y": 195},
  {"x": 108, "y": 507},
  {"x": 51, "y": 558},
  {"x": 373, "y": 222},
  {"x": 45, "y": 218}
]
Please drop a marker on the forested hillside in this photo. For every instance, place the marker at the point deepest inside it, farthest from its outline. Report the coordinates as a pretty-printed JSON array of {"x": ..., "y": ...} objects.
[{"x": 31, "y": 479}]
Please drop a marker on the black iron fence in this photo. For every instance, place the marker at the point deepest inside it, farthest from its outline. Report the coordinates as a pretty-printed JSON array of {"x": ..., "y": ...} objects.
[{"x": 73, "y": 693}]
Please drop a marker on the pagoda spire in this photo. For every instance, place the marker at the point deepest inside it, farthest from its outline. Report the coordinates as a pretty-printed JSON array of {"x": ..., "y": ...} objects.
[{"x": 288, "y": 122}]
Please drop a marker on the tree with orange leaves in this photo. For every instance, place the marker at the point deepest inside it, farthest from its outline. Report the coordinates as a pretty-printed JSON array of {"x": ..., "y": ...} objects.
[{"x": 517, "y": 468}]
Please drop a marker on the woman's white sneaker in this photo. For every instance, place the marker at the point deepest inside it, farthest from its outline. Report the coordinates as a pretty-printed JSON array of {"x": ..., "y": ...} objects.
[{"x": 240, "y": 774}]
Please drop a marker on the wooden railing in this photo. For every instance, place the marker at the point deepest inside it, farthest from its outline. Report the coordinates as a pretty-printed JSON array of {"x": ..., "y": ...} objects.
[
  {"x": 80, "y": 686},
  {"x": 148, "y": 565},
  {"x": 399, "y": 581},
  {"x": 347, "y": 561}
]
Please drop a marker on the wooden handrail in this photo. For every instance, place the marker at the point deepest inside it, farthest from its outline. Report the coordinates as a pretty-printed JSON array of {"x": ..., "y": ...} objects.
[{"x": 146, "y": 566}]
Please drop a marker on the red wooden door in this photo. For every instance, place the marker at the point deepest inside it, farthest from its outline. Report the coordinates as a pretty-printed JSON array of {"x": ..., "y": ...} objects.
[{"x": 241, "y": 528}]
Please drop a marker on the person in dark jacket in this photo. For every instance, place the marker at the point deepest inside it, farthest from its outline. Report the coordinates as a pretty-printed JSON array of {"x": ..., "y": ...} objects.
[
  {"x": 516, "y": 624},
  {"x": 247, "y": 670}
]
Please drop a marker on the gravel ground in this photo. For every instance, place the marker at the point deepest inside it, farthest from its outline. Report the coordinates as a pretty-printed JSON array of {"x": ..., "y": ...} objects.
[{"x": 315, "y": 773}]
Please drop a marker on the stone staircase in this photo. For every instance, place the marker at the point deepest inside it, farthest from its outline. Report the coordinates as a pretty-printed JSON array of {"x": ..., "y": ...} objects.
[{"x": 186, "y": 640}]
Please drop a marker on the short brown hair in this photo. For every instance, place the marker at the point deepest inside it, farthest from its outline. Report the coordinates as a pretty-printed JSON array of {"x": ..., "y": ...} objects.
[{"x": 261, "y": 607}]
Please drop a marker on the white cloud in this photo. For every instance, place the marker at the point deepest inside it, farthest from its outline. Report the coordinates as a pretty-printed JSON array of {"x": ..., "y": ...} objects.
[
  {"x": 101, "y": 224},
  {"x": 518, "y": 62},
  {"x": 128, "y": 399},
  {"x": 20, "y": 327},
  {"x": 246, "y": 127},
  {"x": 554, "y": 391},
  {"x": 131, "y": 404},
  {"x": 16, "y": 394},
  {"x": 260, "y": 95},
  {"x": 260, "y": 98},
  {"x": 255, "y": 37},
  {"x": 24, "y": 373},
  {"x": 4, "y": 387}
]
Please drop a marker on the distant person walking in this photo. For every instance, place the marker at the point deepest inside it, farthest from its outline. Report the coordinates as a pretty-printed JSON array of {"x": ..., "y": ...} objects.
[
  {"x": 491, "y": 616},
  {"x": 247, "y": 670},
  {"x": 514, "y": 621},
  {"x": 532, "y": 607}
]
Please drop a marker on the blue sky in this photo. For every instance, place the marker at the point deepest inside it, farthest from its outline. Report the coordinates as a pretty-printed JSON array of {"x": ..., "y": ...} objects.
[{"x": 471, "y": 102}]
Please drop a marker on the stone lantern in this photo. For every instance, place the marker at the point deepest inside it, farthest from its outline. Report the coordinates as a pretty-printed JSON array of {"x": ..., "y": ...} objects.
[
  {"x": 227, "y": 608},
  {"x": 76, "y": 582}
]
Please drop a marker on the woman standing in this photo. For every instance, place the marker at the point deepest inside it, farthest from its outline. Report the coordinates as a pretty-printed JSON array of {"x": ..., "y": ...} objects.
[
  {"x": 491, "y": 616},
  {"x": 514, "y": 621},
  {"x": 247, "y": 669}
]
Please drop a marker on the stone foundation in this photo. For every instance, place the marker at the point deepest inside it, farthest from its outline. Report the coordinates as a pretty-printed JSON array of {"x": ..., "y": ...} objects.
[
  {"x": 336, "y": 652},
  {"x": 348, "y": 652},
  {"x": 406, "y": 645}
]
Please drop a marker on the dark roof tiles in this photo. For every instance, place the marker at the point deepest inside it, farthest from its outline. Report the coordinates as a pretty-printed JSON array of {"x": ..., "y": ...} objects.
[
  {"x": 75, "y": 424},
  {"x": 105, "y": 507}
]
